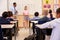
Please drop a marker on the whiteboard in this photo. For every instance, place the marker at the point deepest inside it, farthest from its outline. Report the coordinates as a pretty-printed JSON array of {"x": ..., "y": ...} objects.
[
  {"x": 33, "y": 5},
  {"x": 3, "y": 6}
]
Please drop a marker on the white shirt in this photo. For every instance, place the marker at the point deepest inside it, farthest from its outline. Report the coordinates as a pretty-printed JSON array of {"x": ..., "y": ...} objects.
[
  {"x": 13, "y": 10},
  {"x": 55, "y": 24}
]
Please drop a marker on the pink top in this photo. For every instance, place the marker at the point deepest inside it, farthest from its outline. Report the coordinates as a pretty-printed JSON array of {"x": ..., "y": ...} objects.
[{"x": 26, "y": 12}]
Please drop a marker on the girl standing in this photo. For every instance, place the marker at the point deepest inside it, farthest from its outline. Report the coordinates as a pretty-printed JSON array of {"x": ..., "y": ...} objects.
[{"x": 26, "y": 17}]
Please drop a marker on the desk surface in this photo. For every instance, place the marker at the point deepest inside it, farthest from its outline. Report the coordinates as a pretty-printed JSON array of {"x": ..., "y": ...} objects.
[
  {"x": 7, "y": 25},
  {"x": 39, "y": 26},
  {"x": 13, "y": 21},
  {"x": 34, "y": 21}
]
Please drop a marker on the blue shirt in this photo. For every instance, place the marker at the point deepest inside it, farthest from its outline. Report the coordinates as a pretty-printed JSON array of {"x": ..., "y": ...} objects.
[
  {"x": 35, "y": 18},
  {"x": 4, "y": 20}
]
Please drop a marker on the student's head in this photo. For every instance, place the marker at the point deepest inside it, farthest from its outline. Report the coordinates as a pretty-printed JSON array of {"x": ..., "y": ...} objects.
[
  {"x": 25, "y": 8},
  {"x": 14, "y": 4},
  {"x": 10, "y": 14},
  {"x": 36, "y": 14},
  {"x": 45, "y": 12},
  {"x": 5, "y": 14},
  {"x": 58, "y": 13},
  {"x": 50, "y": 11}
]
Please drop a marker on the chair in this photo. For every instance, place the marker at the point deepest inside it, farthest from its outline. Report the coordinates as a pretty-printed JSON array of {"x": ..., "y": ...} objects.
[{"x": 1, "y": 34}]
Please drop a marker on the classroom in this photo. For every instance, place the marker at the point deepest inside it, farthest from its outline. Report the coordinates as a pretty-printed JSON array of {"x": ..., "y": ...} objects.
[{"x": 29, "y": 19}]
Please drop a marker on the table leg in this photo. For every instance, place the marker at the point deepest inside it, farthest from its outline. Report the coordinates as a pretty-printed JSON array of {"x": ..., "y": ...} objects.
[
  {"x": 15, "y": 32},
  {"x": 10, "y": 35}
]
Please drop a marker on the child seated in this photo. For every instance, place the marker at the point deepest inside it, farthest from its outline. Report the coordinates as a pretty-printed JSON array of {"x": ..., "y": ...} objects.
[
  {"x": 36, "y": 16},
  {"x": 3, "y": 19},
  {"x": 44, "y": 18},
  {"x": 10, "y": 16}
]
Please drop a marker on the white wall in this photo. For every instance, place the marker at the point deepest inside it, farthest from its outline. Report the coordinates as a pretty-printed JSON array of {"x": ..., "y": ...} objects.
[
  {"x": 3, "y": 6},
  {"x": 33, "y": 5}
]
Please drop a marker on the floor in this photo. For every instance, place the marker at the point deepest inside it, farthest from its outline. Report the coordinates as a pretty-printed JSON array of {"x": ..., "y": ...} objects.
[{"x": 23, "y": 33}]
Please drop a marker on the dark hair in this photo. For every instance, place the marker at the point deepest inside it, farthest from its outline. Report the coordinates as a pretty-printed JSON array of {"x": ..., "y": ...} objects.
[
  {"x": 58, "y": 11},
  {"x": 5, "y": 14},
  {"x": 14, "y": 3},
  {"x": 50, "y": 11},
  {"x": 36, "y": 14},
  {"x": 10, "y": 14}
]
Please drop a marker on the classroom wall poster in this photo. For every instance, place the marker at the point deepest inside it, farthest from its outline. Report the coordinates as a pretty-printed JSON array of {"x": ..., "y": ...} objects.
[
  {"x": 46, "y": 4},
  {"x": 55, "y": 7},
  {"x": 56, "y": 1}
]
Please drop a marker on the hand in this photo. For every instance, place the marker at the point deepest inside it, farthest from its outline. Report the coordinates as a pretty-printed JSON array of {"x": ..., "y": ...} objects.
[{"x": 16, "y": 12}]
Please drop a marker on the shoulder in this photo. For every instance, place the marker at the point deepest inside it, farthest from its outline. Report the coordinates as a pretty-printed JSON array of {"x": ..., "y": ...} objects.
[
  {"x": 1, "y": 18},
  {"x": 9, "y": 19},
  {"x": 53, "y": 21}
]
